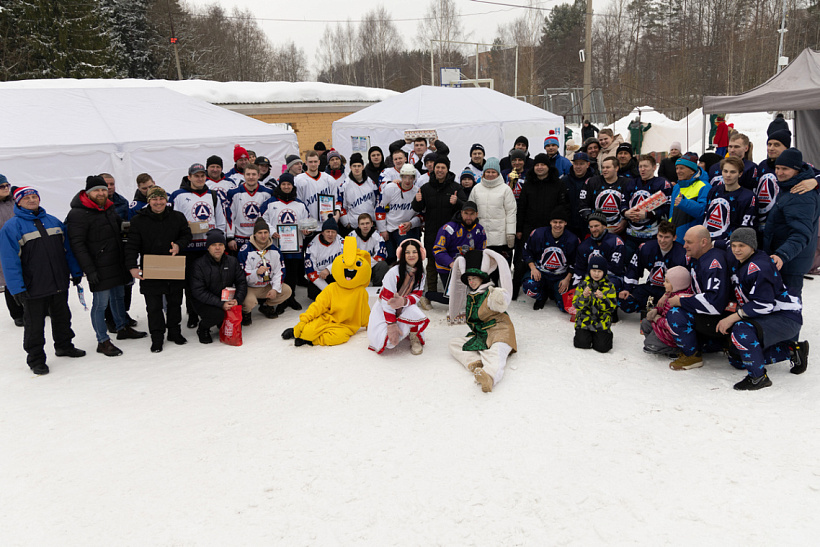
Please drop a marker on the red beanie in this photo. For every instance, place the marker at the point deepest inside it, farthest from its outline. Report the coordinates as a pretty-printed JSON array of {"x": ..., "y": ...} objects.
[{"x": 239, "y": 152}]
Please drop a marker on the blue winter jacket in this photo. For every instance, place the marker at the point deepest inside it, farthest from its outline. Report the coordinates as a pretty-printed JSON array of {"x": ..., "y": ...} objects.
[
  {"x": 791, "y": 227},
  {"x": 35, "y": 254},
  {"x": 692, "y": 208}
]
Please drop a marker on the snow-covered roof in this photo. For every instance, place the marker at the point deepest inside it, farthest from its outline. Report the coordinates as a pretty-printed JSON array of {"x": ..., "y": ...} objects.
[{"x": 226, "y": 92}]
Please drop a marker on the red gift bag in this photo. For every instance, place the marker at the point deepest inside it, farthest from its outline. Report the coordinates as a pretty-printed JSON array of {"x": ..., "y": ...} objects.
[
  {"x": 570, "y": 309},
  {"x": 231, "y": 331}
]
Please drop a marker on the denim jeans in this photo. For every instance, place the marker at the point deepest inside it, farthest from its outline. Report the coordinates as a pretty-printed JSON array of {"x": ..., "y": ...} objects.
[{"x": 116, "y": 297}]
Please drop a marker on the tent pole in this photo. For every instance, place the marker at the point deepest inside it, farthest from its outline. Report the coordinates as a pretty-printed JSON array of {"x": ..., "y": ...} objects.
[
  {"x": 704, "y": 134},
  {"x": 432, "y": 66}
]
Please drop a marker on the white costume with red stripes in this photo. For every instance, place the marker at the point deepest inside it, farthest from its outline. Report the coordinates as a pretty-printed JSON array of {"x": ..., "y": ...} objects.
[{"x": 410, "y": 318}]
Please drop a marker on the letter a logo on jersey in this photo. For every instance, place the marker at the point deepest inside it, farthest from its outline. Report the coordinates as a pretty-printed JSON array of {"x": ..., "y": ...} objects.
[
  {"x": 753, "y": 268},
  {"x": 609, "y": 205},
  {"x": 716, "y": 218},
  {"x": 287, "y": 217},
  {"x": 553, "y": 261},
  {"x": 658, "y": 277},
  {"x": 715, "y": 265}
]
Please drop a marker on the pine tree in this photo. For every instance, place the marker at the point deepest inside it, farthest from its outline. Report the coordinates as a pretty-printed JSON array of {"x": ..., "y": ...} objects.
[{"x": 131, "y": 35}]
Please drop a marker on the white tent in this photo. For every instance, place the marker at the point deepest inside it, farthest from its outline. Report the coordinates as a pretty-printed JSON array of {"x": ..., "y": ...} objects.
[
  {"x": 53, "y": 138},
  {"x": 461, "y": 117}
]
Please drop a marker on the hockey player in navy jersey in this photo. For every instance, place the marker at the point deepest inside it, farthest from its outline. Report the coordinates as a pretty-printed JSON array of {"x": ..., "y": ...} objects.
[
  {"x": 285, "y": 209},
  {"x": 738, "y": 148},
  {"x": 700, "y": 313},
  {"x": 357, "y": 194},
  {"x": 642, "y": 226},
  {"x": 144, "y": 184},
  {"x": 319, "y": 256},
  {"x": 245, "y": 205},
  {"x": 655, "y": 256},
  {"x": 204, "y": 213},
  {"x": 627, "y": 164},
  {"x": 574, "y": 181},
  {"x": 729, "y": 205},
  {"x": 767, "y": 319},
  {"x": 609, "y": 194},
  {"x": 549, "y": 253},
  {"x": 604, "y": 243}
]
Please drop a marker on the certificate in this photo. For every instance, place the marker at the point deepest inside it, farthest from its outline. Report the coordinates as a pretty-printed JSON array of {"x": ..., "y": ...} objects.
[
  {"x": 360, "y": 145},
  {"x": 326, "y": 206},
  {"x": 288, "y": 237}
]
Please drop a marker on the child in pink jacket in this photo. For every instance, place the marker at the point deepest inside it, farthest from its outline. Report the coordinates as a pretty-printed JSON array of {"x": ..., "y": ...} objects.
[{"x": 658, "y": 338}]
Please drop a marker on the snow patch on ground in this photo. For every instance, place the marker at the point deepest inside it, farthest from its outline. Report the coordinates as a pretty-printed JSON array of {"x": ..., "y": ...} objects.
[{"x": 272, "y": 444}]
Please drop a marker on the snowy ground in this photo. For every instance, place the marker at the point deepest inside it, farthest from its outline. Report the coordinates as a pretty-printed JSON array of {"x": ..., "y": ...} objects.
[{"x": 268, "y": 444}]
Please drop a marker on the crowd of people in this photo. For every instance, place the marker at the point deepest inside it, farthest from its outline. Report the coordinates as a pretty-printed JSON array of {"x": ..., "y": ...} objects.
[{"x": 710, "y": 251}]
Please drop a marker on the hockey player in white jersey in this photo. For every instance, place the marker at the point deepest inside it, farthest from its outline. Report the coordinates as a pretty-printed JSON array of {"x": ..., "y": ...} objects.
[
  {"x": 264, "y": 273},
  {"x": 313, "y": 183},
  {"x": 319, "y": 256},
  {"x": 395, "y": 218},
  {"x": 245, "y": 206},
  {"x": 394, "y": 173},
  {"x": 369, "y": 239},
  {"x": 357, "y": 194}
]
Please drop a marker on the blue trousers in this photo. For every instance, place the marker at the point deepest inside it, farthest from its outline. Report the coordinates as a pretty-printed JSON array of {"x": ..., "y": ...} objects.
[
  {"x": 542, "y": 290},
  {"x": 761, "y": 341},
  {"x": 695, "y": 333},
  {"x": 639, "y": 296},
  {"x": 116, "y": 298}
]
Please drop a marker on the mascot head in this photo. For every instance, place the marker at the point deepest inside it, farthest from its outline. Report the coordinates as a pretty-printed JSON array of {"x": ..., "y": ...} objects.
[{"x": 351, "y": 269}]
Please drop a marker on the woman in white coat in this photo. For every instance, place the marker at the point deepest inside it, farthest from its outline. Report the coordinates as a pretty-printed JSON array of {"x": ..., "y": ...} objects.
[
  {"x": 396, "y": 315},
  {"x": 496, "y": 209}
]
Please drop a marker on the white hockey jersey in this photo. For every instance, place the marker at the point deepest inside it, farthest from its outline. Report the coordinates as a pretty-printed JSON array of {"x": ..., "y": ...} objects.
[
  {"x": 277, "y": 212},
  {"x": 199, "y": 207},
  {"x": 309, "y": 188},
  {"x": 374, "y": 245},
  {"x": 395, "y": 207},
  {"x": 252, "y": 258},
  {"x": 355, "y": 199},
  {"x": 319, "y": 256},
  {"x": 245, "y": 207}
]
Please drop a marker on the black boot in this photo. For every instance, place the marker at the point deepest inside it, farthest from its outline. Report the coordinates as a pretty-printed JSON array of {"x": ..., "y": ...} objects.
[
  {"x": 753, "y": 384},
  {"x": 40, "y": 370},
  {"x": 294, "y": 305},
  {"x": 204, "y": 336},
  {"x": 130, "y": 321},
  {"x": 269, "y": 311},
  {"x": 302, "y": 342},
  {"x": 108, "y": 349},
  {"x": 539, "y": 304},
  {"x": 246, "y": 319},
  {"x": 128, "y": 333},
  {"x": 69, "y": 352},
  {"x": 193, "y": 321},
  {"x": 156, "y": 345},
  {"x": 177, "y": 338},
  {"x": 799, "y": 357},
  {"x": 18, "y": 322}
]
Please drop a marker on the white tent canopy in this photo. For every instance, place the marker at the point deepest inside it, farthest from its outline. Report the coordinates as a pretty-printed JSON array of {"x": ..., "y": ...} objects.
[
  {"x": 461, "y": 117},
  {"x": 53, "y": 138}
]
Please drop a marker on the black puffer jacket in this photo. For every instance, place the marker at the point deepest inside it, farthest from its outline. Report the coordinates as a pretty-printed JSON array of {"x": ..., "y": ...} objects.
[
  {"x": 436, "y": 207},
  {"x": 95, "y": 237},
  {"x": 537, "y": 200},
  {"x": 210, "y": 277},
  {"x": 152, "y": 234}
]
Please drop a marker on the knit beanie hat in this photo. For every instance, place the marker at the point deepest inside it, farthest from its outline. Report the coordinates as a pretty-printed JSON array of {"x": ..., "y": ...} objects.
[
  {"x": 782, "y": 135},
  {"x": 214, "y": 160},
  {"x": 356, "y": 157},
  {"x": 690, "y": 160},
  {"x": 598, "y": 216},
  {"x": 597, "y": 262},
  {"x": 560, "y": 213},
  {"x": 791, "y": 157},
  {"x": 517, "y": 154},
  {"x": 492, "y": 163},
  {"x": 291, "y": 160},
  {"x": 442, "y": 159},
  {"x": 467, "y": 173},
  {"x": 319, "y": 146},
  {"x": 333, "y": 154},
  {"x": 522, "y": 140},
  {"x": 476, "y": 146},
  {"x": 330, "y": 224},
  {"x": 156, "y": 192},
  {"x": 675, "y": 146},
  {"x": 285, "y": 177},
  {"x": 679, "y": 277},
  {"x": 95, "y": 182},
  {"x": 745, "y": 235},
  {"x": 625, "y": 147},
  {"x": 3, "y": 179},
  {"x": 260, "y": 224},
  {"x": 551, "y": 139},
  {"x": 541, "y": 158},
  {"x": 24, "y": 191},
  {"x": 215, "y": 236},
  {"x": 239, "y": 152}
]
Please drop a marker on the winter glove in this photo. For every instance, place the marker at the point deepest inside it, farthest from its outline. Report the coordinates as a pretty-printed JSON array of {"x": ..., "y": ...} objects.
[
  {"x": 20, "y": 297},
  {"x": 288, "y": 334},
  {"x": 510, "y": 240},
  {"x": 76, "y": 280},
  {"x": 393, "y": 333},
  {"x": 93, "y": 278}
]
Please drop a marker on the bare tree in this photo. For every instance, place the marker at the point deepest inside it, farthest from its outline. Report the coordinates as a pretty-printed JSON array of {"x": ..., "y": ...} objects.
[{"x": 442, "y": 21}]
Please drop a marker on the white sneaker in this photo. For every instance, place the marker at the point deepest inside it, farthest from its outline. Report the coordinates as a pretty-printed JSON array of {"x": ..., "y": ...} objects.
[
  {"x": 425, "y": 304},
  {"x": 415, "y": 344}
]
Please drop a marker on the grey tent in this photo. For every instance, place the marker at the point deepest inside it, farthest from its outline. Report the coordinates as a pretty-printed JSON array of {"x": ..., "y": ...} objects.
[{"x": 797, "y": 88}]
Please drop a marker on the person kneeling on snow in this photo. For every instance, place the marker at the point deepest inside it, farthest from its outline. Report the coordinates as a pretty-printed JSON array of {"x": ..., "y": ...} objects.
[
  {"x": 658, "y": 337},
  {"x": 485, "y": 350},
  {"x": 595, "y": 300},
  {"x": 396, "y": 315},
  {"x": 264, "y": 272}
]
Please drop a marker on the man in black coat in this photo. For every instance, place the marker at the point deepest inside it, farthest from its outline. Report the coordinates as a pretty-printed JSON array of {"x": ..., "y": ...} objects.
[
  {"x": 541, "y": 192},
  {"x": 94, "y": 231},
  {"x": 438, "y": 200},
  {"x": 212, "y": 273},
  {"x": 159, "y": 230}
]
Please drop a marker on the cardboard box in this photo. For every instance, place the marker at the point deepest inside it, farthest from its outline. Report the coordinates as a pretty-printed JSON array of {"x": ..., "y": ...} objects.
[
  {"x": 163, "y": 267},
  {"x": 199, "y": 227},
  {"x": 228, "y": 293}
]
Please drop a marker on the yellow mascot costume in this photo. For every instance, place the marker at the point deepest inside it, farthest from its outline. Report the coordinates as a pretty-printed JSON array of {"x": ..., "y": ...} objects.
[{"x": 341, "y": 309}]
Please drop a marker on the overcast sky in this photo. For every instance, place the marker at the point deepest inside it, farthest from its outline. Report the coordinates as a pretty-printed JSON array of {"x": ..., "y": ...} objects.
[{"x": 291, "y": 20}]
